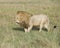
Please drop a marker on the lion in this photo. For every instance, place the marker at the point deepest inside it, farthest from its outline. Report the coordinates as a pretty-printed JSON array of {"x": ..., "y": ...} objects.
[{"x": 22, "y": 18}]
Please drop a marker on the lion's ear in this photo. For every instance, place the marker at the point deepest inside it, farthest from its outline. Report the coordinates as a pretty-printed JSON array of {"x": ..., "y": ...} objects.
[{"x": 18, "y": 12}]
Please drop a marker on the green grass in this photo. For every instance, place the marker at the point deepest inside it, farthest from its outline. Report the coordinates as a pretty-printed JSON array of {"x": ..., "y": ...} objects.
[{"x": 11, "y": 36}]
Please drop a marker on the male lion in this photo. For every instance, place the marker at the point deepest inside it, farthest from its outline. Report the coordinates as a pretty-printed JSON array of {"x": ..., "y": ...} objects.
[{"x": 22, "y": 18}]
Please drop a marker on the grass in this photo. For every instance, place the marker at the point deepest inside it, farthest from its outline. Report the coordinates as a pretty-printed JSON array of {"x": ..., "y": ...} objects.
[{"x": 12, "y": 36}]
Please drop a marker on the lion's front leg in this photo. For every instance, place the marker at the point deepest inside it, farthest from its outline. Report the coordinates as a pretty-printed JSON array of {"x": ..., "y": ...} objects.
[
  {"x": 29, "y": 28},
  {"x": 26, "y": 30}
]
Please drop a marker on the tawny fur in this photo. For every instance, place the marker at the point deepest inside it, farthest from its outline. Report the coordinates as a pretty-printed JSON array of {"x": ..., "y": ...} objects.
[
  {"x": 39, "y": 20},
  {"x": 22, "y": 18}
]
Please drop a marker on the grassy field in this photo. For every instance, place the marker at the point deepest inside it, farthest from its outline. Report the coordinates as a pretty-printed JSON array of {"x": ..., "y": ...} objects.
[{"x": 12, "y": 36}]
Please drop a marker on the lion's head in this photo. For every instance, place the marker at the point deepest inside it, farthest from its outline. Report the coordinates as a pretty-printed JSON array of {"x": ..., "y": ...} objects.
[{"x": 22, "y": 18}]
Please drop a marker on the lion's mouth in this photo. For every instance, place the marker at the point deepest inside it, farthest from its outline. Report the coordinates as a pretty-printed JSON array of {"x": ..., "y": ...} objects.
[
  {"x": 22, "y": 22},
  {"x": 17, "y": 22}
]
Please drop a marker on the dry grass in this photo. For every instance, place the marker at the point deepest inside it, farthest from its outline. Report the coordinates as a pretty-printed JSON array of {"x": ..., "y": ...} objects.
[{"x": 12, "y": 36}]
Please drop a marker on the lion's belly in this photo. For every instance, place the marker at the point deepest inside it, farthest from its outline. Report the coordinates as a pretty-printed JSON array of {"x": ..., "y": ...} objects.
[{"x": 36, "y": 22}]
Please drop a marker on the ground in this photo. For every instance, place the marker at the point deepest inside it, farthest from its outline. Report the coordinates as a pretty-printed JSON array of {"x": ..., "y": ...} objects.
[{"x": 12, "y": 36}]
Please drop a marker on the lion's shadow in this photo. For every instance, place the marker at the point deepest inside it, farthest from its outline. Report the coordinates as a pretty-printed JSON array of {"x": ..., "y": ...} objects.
[
  {"x": 22, "y": 29},
  {"x": 18, "y": 29}
]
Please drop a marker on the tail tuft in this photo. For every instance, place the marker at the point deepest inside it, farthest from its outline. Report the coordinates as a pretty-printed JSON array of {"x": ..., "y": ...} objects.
[{"x": 55, "y": 26}]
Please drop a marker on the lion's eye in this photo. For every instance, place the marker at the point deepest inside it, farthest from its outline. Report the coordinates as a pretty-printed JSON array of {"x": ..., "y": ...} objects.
[{"x": 17, "y": 17}]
